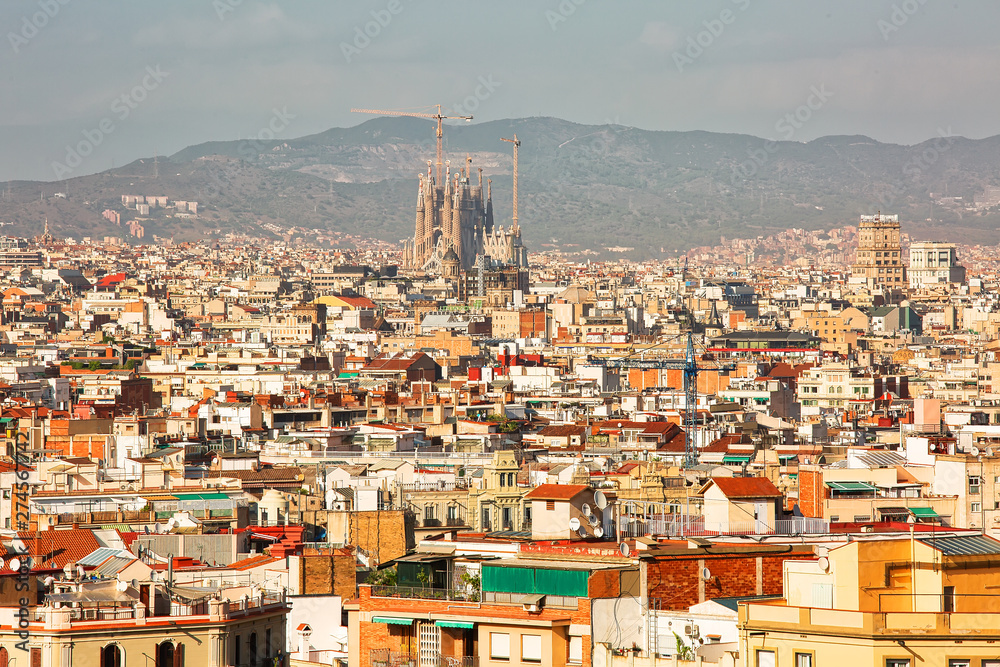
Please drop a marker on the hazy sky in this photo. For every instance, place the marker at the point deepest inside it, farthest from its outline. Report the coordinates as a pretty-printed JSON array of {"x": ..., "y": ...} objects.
[{"x": 127, "y": 78}]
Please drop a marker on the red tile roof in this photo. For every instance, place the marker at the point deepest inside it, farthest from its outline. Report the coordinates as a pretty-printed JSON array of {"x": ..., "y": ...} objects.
[
  {"x": 56, "y": 548},
  {"x": 556, "y": 491},
  {"x": 744, "y": 487}
]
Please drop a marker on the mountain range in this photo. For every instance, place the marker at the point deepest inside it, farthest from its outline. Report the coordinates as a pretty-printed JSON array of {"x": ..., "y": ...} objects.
[{"x": 581, "y": 186}]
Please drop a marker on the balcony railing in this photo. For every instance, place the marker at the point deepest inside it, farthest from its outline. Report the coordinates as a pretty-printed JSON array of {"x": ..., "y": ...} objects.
[
  {"x": 681, "y": 525},
  {"x": 381, "y": 657},
  {"x": 425, "y": 593}
]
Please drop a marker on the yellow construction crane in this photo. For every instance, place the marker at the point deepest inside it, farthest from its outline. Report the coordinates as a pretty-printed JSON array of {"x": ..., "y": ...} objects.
[
  {"x": 438, "y": 116},
  {"x": 516, "y": 142}
]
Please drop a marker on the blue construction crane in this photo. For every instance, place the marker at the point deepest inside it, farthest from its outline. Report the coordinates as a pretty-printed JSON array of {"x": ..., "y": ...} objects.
[{"x": 689, "y": 365}]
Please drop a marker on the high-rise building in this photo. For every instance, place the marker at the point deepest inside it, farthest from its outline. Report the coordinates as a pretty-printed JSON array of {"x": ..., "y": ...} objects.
[
  {"x": 934, "y": 264},
  {"x": 879, "y": 259}
]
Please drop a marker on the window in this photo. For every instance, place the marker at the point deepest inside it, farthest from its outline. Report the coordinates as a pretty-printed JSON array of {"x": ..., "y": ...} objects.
[
  {"x": 765, "y": 659},
  {"x": 575, "y": 650},
  {"x": 531, "y": 648},
  {"x": 111, "y": 656},
  {"x": 960, "y": 662},
  {"x": 974, "y": 482},
  {"x": 550, "y": 505},
  {"x": 499, "y": 646},
  {"x": 977, "y": 507},
  {"x": 803, "y": 659},
  {"x": 237, "y": 658},
  {"x": 897, "y": 662}
]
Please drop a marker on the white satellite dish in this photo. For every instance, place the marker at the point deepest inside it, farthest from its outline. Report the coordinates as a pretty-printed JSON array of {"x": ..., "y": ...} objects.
[
  {"x": 586, "y": 509},
  {"x": 625, "y": 551},
  {"x": 595, "y": 520},
  {"x": 598, "y": 532},
  {"x": 581, "y": 531},
  {"x": 600, "y": 499},
  {"x": 706, "y": 574},
  {"x": 121, "y": 586},
  {"x": 824, "y": 563},
  {"x": 989, "y": 451},
  {"x": 15, "y": 564},
  {"x": 574, "y": 524}
]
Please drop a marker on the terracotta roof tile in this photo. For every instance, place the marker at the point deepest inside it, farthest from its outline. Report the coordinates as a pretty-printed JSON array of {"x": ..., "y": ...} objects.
[
  {"x": 744, "y": 487},
  {"x": 556, "y": 491}
]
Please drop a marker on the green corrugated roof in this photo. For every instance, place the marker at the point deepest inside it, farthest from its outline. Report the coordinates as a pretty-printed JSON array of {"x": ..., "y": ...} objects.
[
  {"x": 455, "y": 624},
  {"x": 730, "y": 458},
  {"x": 850, "y": 486},
  {"x": 203, "y": 496}
]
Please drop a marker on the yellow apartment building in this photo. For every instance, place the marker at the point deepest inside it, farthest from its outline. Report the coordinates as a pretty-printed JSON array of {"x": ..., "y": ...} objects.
[{"x": 924, "y": 599}]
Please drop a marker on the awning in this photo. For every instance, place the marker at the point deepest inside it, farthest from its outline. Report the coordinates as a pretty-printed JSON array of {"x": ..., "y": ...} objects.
[
  {"x": 893, "y": 511},
  {"x": 729, "y": 458},
  {"x": 923, "y": 512},
  {"x": 851, "y": 487},
  {"x": 786, "y": 457},
  {"x": 391, "y": 620},
  {"x": 455, "y": 624}
]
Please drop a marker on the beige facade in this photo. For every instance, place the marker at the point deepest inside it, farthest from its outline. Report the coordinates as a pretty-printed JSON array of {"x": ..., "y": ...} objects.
[
  {"x": 879, "y": 259},
  {"x": 897, "y": 602}
]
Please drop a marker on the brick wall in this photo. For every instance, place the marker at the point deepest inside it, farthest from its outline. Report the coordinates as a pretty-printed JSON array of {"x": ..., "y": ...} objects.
[
  {"x": 677, "y": 583},
  {"x": 385, "y": 534},
  {"x": 400, "y": 638},
  {"x": 811, "y": 492}
]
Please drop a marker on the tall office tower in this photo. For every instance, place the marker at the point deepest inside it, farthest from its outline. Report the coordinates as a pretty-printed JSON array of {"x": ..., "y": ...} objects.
[{"x": 879, "y": 258}]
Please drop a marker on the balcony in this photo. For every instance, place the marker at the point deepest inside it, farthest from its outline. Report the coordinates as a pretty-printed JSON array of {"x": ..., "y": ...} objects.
[
  {"x": 681, "y": 525},
  {"x": 425, "y": 593},
  {"x": 381, "y": 657}
]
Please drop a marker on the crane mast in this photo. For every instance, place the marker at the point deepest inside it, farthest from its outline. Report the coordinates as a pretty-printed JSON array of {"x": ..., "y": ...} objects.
[
  {"x": 516, "y": 142},
  {"x": 437, "y": 116}
]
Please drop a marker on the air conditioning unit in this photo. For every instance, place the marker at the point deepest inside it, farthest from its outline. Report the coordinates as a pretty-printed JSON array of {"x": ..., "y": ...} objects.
[{"x": 691, "y": 630}]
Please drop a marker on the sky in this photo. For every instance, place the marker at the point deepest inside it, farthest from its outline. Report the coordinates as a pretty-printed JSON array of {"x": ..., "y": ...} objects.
[{"x": 90, "y": 84}]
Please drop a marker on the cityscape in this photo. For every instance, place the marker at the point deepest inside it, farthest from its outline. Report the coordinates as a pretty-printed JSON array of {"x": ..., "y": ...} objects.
[{"x": 473, "y": 385}]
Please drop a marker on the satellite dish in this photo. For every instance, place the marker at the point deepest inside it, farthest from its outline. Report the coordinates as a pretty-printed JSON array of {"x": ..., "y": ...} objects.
[
  {"x": 600, "y": 499},
  {"x": 135, "y": 583},
  {"x": 121, "y": 586},
  {"x": 706, "y": 573},
  {"x": 598, "y": 532},
  {"x": 989, "y": 451},
  {"x": 49, "y": 581},
  {"x": 975, "y": 451},
  {"x": 581, "y": 531},
  {"x": 824, "y": 563},
  {"x": 586, "y": 509},
  {"x": 625, "y": 551},
  {"x": 15, "y": 564},
  {"x": 595, "y": 520},
  {"x": 574, "y": 524}
]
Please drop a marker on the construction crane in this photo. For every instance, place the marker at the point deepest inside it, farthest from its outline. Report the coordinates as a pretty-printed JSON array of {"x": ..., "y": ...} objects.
[
  {"x": 438, "y": 116},
  {"x": 689, "y": 365},
  {"x": 516, "y": 142}
]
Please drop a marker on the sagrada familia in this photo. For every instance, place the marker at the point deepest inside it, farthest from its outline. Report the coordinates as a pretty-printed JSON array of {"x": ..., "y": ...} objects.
[{"x": 454, "y": 218}]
